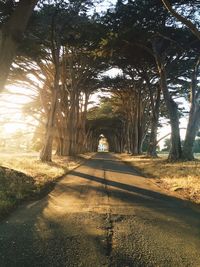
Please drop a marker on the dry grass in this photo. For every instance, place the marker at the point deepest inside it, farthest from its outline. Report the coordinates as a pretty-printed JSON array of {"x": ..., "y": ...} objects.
[
  {"x": 23, "y": 176},
  {"x": 182, "y": 177}
]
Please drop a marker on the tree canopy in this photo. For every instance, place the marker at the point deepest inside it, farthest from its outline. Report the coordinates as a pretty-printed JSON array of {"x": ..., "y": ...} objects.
[{"x": 62, "y": 50}]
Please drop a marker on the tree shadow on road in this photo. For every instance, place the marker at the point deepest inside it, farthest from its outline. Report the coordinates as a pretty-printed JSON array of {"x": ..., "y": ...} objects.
[
  {"x": 38, "y": 237},
  {"x": 176, "y": 209},
  {"x": 112, "y": 165}
]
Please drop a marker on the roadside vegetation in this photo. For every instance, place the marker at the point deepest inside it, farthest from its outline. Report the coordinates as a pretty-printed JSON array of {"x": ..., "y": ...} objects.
[
  {"x": 25, "y": 177},
  {"x": 180, "y": 177}
]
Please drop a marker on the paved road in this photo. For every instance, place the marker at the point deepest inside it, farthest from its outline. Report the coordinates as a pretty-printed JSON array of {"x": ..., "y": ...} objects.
[{"x": 102, "y": 214}]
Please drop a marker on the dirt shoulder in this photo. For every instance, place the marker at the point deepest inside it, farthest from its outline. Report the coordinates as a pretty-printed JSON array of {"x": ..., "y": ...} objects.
[
  {"x": 24, "y": 177},
  {"x": 181, "y": 178}
]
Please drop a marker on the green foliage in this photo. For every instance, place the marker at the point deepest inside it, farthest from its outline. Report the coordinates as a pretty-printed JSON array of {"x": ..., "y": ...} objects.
[
  {"x": 104, "y": 120},
  {"x": 6, "y": 9},
  {"x": 14, "y": 187},
  {"x": 122, "y": 38},
  {"x": 167, "y": 144},
  {"x": 196, "y": 147},
  {"x": 65, "y": 22},
  {"x": 135, "y": 25},
  {"x": 26, "y": 177},
  {"x": 104, "y": 110}
]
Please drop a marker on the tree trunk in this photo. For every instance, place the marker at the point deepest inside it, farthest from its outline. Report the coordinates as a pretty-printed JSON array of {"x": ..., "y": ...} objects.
[
  {"x": 59, "y": 141},
  {"x": 11, "y": 34},
  {"x": 172, "y": 108},
  {"x": 141, "y": 121},
  {"x": 192, "y": 129},
  {"x": 192, "y": 27},
  {"x": 135, "y": 126},
  {"x": 135, "y": 134},
  {"x": 46, "y": 153},
  {"x": 194, "y": 116},
  {"x": 151, "y": 151},
  {"x": 71, "y": 127},
  {"x": 63, "y": 134},
  {"x": 128, "y": 145},
  {"x": 194, "y": 113},
  {"x": 83, "y": 123},
  {"x": 175, "y": 151}
]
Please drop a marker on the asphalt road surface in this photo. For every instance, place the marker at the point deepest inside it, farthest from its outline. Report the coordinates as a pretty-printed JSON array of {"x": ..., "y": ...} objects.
[{"x": 102, "y": 214}]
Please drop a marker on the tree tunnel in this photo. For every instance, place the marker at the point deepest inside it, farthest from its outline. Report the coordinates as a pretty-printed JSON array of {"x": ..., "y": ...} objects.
[{"x": 108, "y": 128}]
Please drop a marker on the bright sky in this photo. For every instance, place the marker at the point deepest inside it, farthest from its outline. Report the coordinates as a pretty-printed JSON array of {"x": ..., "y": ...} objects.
[
  {"x": 94, "y": 99},
  {"x": 165, "y": 129},
  {"x": 104, "y": 5},
  {"x": 12, "y": 118}
]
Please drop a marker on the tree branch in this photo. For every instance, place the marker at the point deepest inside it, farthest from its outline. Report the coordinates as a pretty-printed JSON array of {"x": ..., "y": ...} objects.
[{"x": 182, "y": 19}]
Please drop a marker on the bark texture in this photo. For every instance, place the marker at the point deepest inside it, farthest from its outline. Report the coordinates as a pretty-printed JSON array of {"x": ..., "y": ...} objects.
[
  {"x": 194, "y": 116},
  {"x": 172, "y": 108}
]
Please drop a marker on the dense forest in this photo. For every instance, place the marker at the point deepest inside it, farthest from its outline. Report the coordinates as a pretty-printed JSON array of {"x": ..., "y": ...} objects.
[{"x": 62, "y": 51}]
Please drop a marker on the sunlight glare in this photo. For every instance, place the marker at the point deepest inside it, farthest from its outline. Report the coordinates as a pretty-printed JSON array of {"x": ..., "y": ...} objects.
[{"x": 11, "y": 128}]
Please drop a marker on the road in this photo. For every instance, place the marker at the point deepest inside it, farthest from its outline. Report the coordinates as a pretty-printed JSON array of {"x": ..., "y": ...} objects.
[{"x": 102, "y": 214}]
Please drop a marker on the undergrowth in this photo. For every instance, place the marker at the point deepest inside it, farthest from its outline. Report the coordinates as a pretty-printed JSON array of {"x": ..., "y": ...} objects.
[
  {"x": 25, "y": 177},
  {"x": 182, "y": 177}
]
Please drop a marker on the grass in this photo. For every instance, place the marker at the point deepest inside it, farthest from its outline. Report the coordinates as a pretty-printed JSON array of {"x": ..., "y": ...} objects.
[
  {"x": 182, "y": 177},
  {"x": 23, "y": 176}
]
